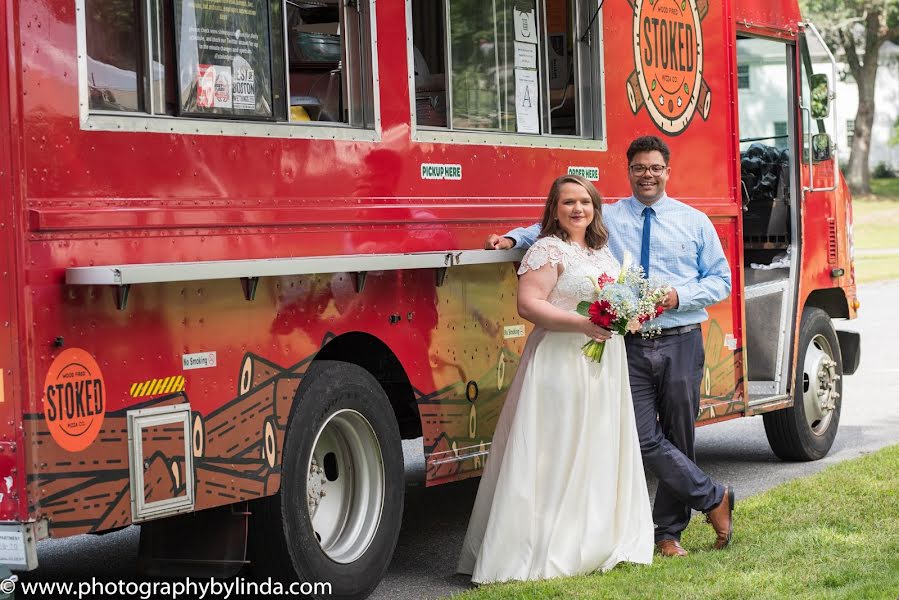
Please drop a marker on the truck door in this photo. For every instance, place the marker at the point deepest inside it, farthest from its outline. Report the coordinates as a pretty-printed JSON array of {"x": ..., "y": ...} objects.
[
  {"x": 11, "y": 459},
  {"x": 806, "y": 429},
  {"x": 825, "y": 256},
  {"x": 766, "y": 83},
  {"x": 817, "y": 103}
]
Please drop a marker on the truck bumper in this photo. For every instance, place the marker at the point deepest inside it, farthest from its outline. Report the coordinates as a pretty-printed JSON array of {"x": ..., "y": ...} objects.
[{"x": 18, "y": 544}]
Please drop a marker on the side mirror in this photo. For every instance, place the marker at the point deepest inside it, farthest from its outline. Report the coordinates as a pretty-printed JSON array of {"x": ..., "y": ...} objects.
[
  {"x": 820, "y": 96},
  {"x": 821, "y": 147}
]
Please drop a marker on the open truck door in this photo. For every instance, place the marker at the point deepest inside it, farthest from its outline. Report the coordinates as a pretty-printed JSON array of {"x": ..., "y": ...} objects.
[{"x": 806, "y": 429}]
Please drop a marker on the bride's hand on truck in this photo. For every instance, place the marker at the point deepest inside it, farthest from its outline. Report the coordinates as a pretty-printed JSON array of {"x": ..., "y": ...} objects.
[{"x": 497, "y": 242}]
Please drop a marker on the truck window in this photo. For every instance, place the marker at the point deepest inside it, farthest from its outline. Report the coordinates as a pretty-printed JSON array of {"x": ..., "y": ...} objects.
[
  {"x": 513, "y": 66},
  {"x": 113, "y": 60},
  {"x": 328, "y": 74},
  {"x": 814, "y": 62},
  {"x": 298, "y": 61},
  {"x": 764, "y": 103},
  {"x": 766, "y": 146}
]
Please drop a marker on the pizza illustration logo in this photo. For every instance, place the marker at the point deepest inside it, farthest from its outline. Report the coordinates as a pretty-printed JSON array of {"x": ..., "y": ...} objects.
[{"x": 667, "y": 77}]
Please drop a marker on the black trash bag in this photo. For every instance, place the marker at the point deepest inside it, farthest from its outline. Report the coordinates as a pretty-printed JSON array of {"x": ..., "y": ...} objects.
[
  {"x": 761, "y": 168},
  {"x": 750, "y": 180},
  {"x": 768, "y": 182},
  {"x": 783, "y": 181},
  {"x": 757, "y": 150},
  {"x": 752, "y": 165}
]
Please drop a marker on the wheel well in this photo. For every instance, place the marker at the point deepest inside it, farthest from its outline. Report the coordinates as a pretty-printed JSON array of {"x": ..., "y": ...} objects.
[
  {"x": 377, "y": 358},
  {"x": 832, "y": 301}
]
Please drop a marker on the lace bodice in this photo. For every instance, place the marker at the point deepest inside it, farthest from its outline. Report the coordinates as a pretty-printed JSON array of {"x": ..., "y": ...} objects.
[{"x": 580, "y": 268}]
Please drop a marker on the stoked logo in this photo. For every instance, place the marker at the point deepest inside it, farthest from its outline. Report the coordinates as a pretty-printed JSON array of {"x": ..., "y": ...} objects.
[
  {"x": 74, "y": 399},
  {"x": 668, "y": 52}
]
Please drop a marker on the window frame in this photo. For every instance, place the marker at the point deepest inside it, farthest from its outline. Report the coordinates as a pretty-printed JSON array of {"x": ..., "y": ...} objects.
[
  {"x": 779, "y": 137},
  {"x": 748, "y": 76},
  {"x": 133, "y": 122},
  {"x": 444, "y": 135}
]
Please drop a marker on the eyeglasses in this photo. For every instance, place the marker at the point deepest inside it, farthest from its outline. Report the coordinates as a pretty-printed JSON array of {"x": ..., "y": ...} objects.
[{"x": 639, "y": 170}]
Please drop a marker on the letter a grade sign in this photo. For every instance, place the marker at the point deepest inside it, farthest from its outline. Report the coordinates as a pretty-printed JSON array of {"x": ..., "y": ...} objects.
[{"x": 667, "y": 77}]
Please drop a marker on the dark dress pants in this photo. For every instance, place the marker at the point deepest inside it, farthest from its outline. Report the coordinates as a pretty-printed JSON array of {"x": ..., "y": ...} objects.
[{"x": 665, "y": 376}]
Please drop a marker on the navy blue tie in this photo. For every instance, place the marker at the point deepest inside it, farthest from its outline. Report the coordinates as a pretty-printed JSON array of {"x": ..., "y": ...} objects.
[{"x": 644, "y": 246}]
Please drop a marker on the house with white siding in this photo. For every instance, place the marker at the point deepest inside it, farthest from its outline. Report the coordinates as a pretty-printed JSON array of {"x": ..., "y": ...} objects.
[
  {"x": 762, "y": 83},
  {"x": 886, "y": 106}
]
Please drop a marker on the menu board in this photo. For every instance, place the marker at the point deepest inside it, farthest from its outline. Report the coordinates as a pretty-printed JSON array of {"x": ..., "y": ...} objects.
[{"x": 224, "y": 58}]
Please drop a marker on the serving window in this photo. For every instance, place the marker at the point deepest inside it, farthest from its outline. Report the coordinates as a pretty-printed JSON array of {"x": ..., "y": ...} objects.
[
  {"x": 300, "y": 61},
  {"x": 528, "y": 67}
]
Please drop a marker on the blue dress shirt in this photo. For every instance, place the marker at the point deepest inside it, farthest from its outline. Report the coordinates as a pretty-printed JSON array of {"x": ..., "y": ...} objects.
[{"x": 685, "y": 252}]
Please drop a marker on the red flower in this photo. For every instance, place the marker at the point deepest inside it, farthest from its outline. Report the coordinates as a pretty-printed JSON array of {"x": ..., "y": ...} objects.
[
  {"x": 643, "y": 318},
  {"x": 601, "y": 314},
  {"x": 605, "y": 279},
  {"x": 659, "y": 310}
]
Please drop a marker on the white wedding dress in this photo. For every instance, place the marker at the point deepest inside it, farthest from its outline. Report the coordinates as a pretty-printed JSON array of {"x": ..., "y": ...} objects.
[{"x": 563, "y": 492}]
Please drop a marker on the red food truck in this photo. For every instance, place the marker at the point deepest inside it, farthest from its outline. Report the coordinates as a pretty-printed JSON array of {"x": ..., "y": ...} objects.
[{"x": 240, "y": 248}]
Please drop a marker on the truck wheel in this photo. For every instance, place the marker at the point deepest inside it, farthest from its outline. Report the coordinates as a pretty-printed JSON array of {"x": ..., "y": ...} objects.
[
  {"x": 806, "y": 430},
  {"x": 337, "y": 516}
]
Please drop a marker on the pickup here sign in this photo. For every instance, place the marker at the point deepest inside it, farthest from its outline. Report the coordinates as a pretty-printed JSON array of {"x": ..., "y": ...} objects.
[{"x": 438, "y": 171}]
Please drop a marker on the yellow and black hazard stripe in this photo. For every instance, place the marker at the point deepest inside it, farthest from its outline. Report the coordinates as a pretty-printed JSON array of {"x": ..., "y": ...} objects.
[{"x": 156, "y": 387}]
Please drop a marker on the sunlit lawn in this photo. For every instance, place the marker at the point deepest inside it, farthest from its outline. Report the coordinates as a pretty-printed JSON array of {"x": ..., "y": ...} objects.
[
  {"x": 877, "y": 268},
  {"x": 877, "y": 228},
  {"x": 876, "y": 224}
]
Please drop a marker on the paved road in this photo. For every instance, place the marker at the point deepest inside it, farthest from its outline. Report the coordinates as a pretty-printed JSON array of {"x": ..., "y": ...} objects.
[{"x": 435, "y": 518}]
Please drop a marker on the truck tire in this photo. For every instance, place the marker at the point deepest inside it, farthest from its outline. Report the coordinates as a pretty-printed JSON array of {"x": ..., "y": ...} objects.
[
  {"x": 338, "y": 513},
  {"x": 806, "y": 430}
]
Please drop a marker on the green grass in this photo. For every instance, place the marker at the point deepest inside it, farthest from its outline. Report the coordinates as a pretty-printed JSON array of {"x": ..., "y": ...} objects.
[
  {"x": 833, "y": 535},
  {"x": 886, "y": 189},
  {"x": 876, "y": 227},
  {"x": 875, "y": 224},
  {"x": 876, "y": 268}
]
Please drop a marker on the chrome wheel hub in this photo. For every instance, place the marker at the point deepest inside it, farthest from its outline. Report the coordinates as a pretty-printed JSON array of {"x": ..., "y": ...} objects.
[
  {"x": 345, "y": 486},
  {"x": 819, "y": 384}
]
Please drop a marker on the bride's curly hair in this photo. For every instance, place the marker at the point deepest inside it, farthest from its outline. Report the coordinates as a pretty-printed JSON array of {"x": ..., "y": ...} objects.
[{"x": 597, "y": 235}]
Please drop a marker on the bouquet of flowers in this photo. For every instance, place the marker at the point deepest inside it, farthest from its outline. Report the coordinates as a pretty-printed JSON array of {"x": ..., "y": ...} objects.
[{"x": 623, "y": 305}]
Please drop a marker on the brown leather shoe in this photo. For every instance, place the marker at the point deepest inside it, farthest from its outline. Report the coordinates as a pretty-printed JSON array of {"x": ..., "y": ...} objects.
[
  {"x": 721, "y": 518},
  {"x": 670, "y": 548}
]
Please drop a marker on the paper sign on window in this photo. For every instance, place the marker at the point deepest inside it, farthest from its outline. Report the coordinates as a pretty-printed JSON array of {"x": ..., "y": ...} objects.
[
  {"x": 527, "y": 101},
  {"x": 526, "y": 26},
  {"x": 224, "y": 57},
  {"x": 525, "y": 55}
]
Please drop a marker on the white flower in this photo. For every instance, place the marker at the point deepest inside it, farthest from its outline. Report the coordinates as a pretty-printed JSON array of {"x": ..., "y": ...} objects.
[{"x": 625, "y": 265}]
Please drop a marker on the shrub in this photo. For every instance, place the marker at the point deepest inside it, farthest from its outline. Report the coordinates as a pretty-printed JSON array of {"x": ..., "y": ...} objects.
[{"x": 883, "y": 171}]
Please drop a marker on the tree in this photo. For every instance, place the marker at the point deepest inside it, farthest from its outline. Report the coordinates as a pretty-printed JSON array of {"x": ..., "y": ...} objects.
[{"x": 858, "y": 29}]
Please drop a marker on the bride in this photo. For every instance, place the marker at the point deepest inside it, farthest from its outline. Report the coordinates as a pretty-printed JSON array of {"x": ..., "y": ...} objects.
[{"x": 563, "y": 492}]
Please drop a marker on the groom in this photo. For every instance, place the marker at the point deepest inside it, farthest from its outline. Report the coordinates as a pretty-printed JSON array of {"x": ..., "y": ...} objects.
[{"x": 677, "y": 244}]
